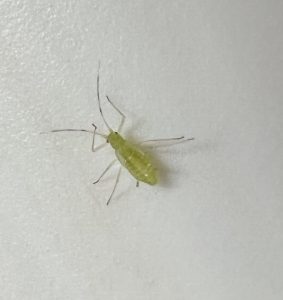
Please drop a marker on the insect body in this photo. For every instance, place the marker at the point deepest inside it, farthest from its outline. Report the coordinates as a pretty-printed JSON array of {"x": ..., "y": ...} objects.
[
  {"x": 136, "y": 161},
  {"x": 133, "y": 159}
]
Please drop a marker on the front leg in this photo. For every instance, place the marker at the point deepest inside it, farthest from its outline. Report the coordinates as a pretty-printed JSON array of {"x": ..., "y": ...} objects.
[
  {"x": 119, "y": 112},
  {"x": 93, "y": 149}
]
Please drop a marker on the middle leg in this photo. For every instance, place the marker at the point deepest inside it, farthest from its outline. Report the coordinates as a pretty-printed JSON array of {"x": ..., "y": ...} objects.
[{"x": 105, "y": 171}]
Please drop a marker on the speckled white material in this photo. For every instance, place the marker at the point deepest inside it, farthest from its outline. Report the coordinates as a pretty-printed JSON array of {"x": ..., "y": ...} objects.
[{"x": 208, "y": 69}]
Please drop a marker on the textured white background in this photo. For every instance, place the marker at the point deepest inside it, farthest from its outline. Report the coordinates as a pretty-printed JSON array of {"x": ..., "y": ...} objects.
[{"x": 208, "y": 69}]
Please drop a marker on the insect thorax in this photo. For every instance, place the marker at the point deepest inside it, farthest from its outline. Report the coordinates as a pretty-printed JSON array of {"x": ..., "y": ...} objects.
[{"x": 115, "y": 140}]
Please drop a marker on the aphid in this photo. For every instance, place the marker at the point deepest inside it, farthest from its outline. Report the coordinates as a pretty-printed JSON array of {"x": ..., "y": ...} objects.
[{"x": 130, "y": 156}]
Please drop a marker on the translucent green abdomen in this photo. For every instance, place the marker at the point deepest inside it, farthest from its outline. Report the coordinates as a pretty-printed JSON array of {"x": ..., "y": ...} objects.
[
  {"x": 133, "y": 159},
  {"x": 137, "y": 162}
]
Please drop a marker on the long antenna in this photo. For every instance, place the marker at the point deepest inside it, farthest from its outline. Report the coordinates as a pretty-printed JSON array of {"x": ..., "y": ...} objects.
[{"x": 98, "y": 98}]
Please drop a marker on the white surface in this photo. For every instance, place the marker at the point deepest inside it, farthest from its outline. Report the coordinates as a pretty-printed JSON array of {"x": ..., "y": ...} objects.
[{"x": 208, "y": 69}]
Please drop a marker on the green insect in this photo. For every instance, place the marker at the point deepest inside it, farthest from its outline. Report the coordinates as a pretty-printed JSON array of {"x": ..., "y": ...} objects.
[{"x": 130, "y": 156}]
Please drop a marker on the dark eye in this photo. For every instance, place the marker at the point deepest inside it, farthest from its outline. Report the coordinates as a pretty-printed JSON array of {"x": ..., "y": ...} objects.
[{"x": 116, "y": 132}]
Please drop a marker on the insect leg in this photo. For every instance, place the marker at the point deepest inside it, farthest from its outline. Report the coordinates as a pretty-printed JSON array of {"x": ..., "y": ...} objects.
[
  {"x": 119, "y": 112},
  {"x": 155, "y": 143},
  {"x": 93, "y": 149},
  {"x": 137, "y": 184},
  {"x": 93, "y": 136},
  {"x": 105, "y": 171},
  {"x": 113, "y": 105},
  {"x": 116, "y": 183},
  {"x": 99, "y": 147}
]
